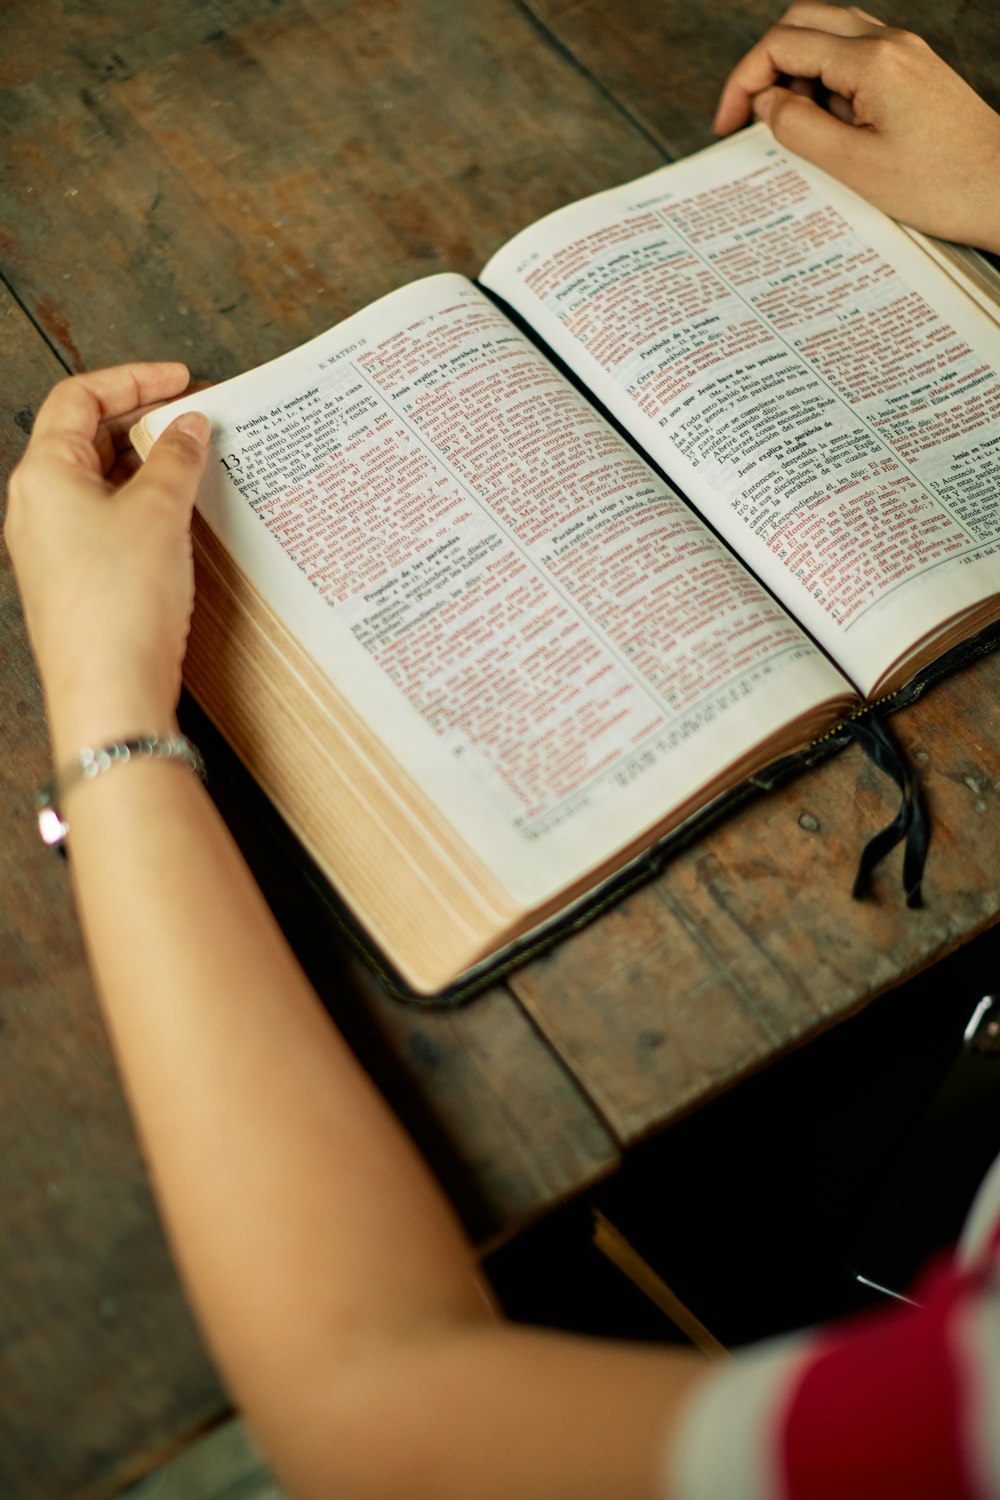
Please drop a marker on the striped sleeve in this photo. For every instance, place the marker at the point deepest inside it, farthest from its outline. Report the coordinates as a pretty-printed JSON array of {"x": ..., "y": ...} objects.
[{"x": 903, "y": 1402}]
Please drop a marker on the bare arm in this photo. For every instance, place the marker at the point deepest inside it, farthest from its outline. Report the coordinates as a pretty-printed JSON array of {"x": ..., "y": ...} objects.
[
  {"x": 878, "y": 109},
  {"x": 329, "y": 1275}
]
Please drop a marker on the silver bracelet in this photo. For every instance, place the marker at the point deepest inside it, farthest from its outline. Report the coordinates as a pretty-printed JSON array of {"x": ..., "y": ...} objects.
[{"x": 90, "y": 763}]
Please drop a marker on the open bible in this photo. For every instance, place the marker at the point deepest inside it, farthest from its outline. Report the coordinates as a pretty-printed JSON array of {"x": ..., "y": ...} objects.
[{"x": 452, "y": 611}]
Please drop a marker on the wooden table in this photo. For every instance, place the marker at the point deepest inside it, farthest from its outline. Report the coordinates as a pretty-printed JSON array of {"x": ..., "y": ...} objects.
[{"x": 217, "y": 182}]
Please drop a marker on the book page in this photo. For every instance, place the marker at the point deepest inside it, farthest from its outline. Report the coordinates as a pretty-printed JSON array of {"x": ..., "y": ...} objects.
[
  {"x": 822, "y": 392},
  {"x": 549, "y": 642}
]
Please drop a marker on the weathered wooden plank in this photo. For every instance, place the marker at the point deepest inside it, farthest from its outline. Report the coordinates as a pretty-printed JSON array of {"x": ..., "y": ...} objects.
[
  {"x": 247, "y": 182},
  {"x": 750, "y": 942},
  {"x": 665, "y": 60},
  {"x": 98, "y": 1355}
]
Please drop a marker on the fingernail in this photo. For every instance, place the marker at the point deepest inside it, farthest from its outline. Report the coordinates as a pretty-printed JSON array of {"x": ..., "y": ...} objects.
[{"x": 197, "y": 426}]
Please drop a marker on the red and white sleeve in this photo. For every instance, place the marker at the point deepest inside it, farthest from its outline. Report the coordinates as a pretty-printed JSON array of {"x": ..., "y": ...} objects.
[{"x": 902, "y": 1402}]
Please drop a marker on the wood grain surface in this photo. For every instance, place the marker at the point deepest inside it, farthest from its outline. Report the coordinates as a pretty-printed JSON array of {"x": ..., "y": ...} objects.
[
  {"x": 749, "y": 942},
  {"x": 217, "y": 182}
]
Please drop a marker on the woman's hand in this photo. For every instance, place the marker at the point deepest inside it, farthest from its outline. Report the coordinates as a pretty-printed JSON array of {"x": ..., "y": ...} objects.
[
  {"x": 103, "y": 553},
  {"x": 879, "y": 110}
]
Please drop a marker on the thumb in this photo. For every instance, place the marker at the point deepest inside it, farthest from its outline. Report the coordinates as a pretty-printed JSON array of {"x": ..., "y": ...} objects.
[
  {"x": 811, "y": 131},
  {"x": 177, "y": 460}
]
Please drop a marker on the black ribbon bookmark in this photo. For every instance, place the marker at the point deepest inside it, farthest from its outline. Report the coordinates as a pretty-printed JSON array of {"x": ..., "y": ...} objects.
[{"x": 911, "y": 821}]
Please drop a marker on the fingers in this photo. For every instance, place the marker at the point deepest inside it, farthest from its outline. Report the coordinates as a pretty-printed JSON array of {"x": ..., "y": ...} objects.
[
  {"x": 119, "y": 428},
  {"x": 76, "y": 407},
  {"x": 81, "y": 429},
  {"x": 812, "y": 41},
  {"x": 816, "y": 133},
  {"x": 842, "y": 108},
  {"x": 114, "y": 437},
  {"x": 176, "y": 462}
]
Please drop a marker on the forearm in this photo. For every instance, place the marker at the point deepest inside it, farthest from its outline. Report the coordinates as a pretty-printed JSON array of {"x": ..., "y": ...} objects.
[
  {"x": 329, "y": 1275},
  {"x": 286, "y": 1185}
]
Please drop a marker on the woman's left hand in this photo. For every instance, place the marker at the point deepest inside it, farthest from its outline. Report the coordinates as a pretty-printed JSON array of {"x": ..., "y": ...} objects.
[{"x": 103, "y": 553}]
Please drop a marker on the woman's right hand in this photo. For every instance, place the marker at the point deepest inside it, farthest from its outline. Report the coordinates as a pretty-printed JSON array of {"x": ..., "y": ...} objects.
[
  {"x": 103, "y": 555},
  {"x": 899, "y": 126}
]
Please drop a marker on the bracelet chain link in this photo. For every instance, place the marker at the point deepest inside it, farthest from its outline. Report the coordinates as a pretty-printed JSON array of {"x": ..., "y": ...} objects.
[{"x": 91, "y": 762}]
